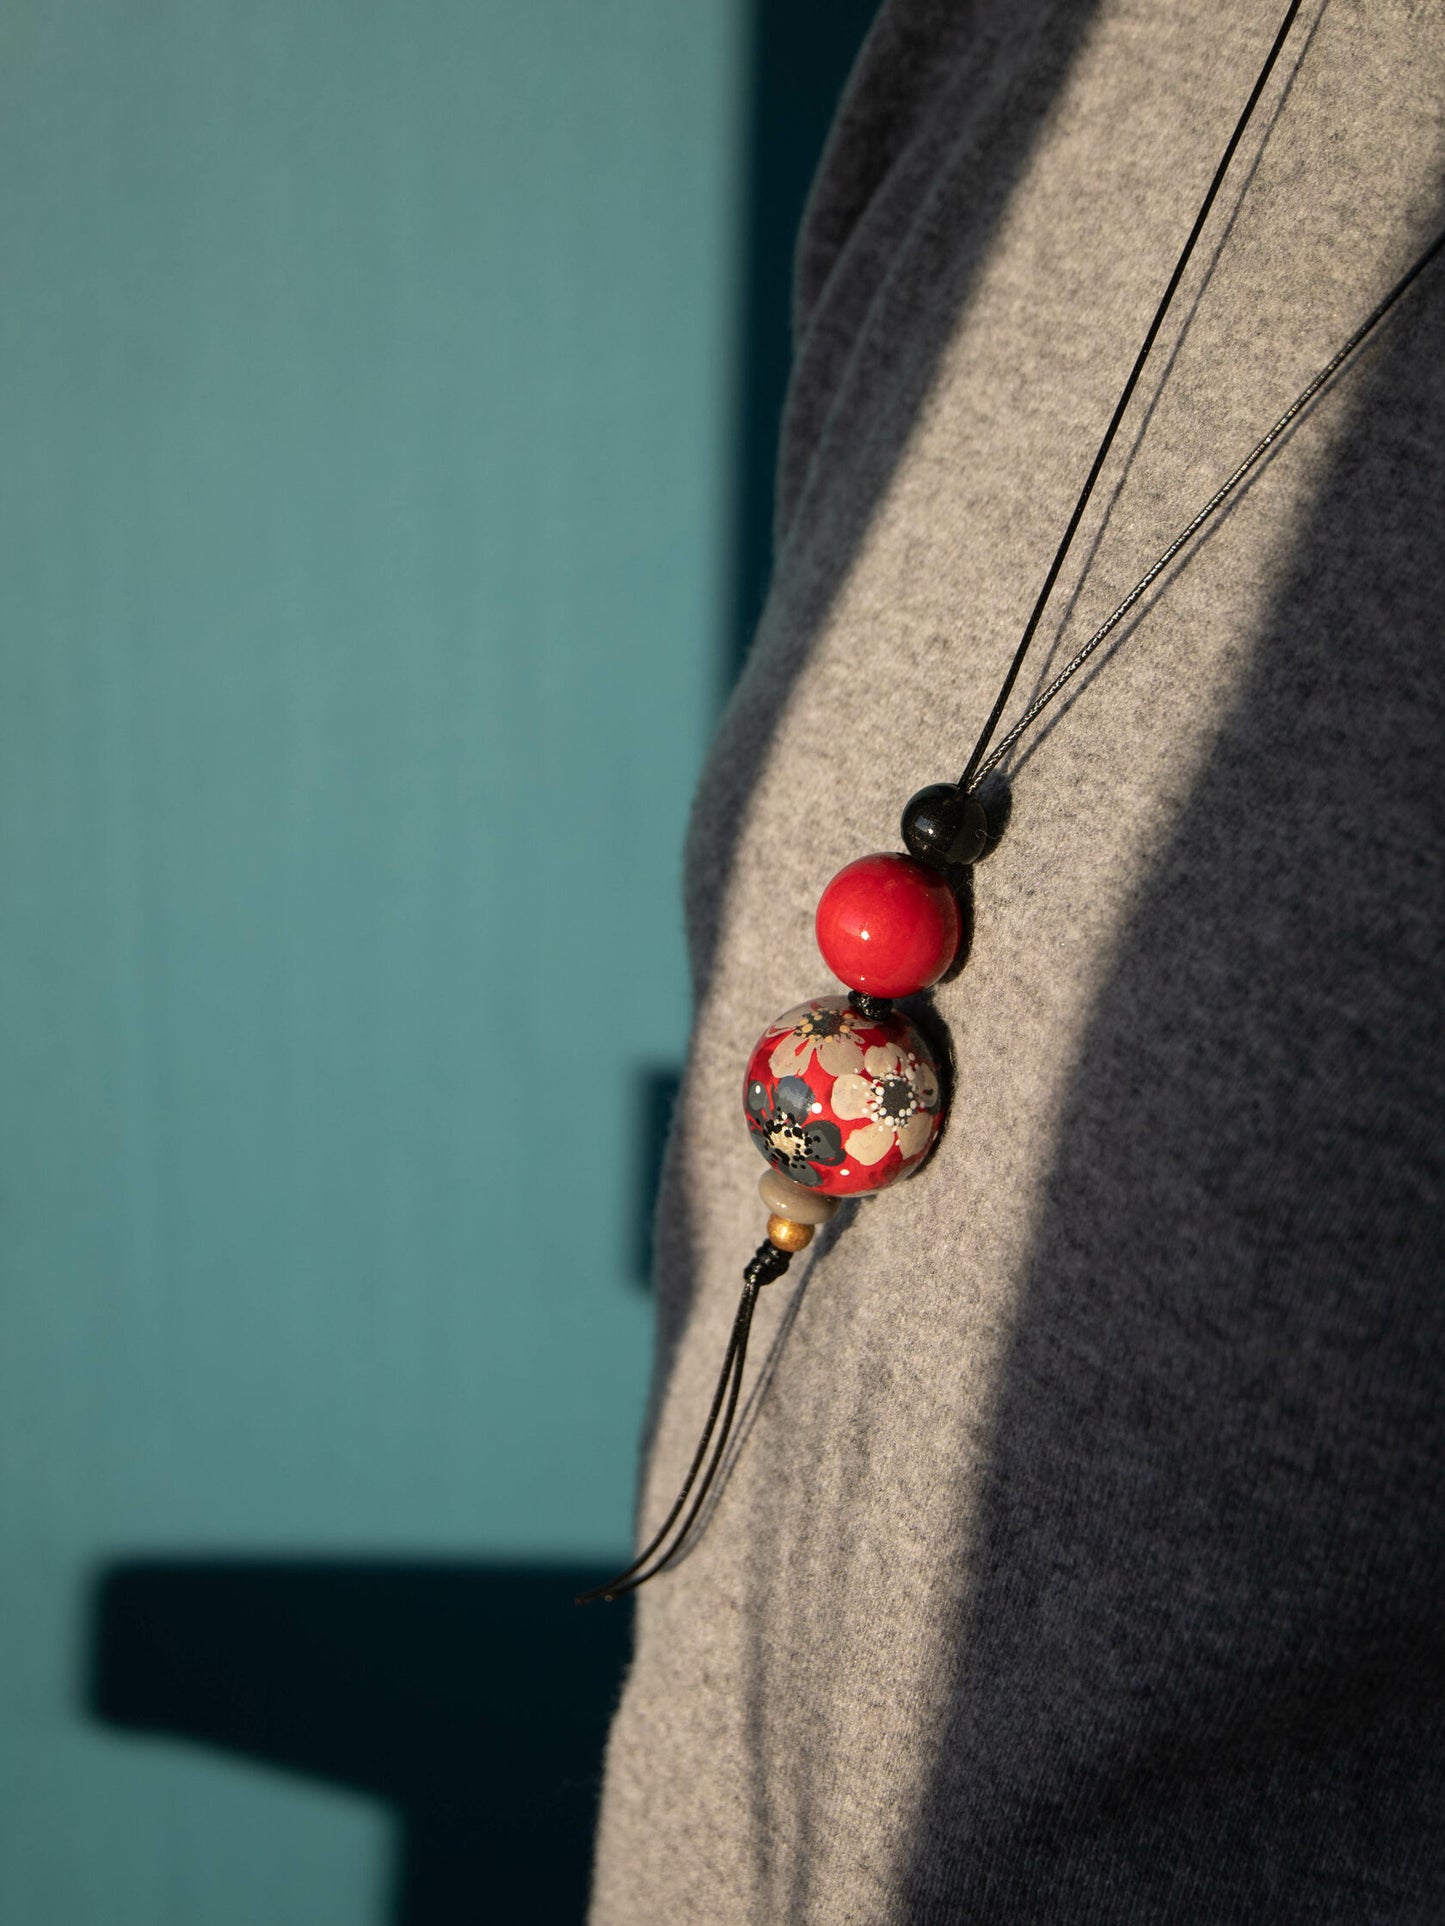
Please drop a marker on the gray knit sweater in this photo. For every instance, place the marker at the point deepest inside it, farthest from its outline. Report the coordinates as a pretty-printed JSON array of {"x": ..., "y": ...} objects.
[{"x": 1083, "y": 1558}]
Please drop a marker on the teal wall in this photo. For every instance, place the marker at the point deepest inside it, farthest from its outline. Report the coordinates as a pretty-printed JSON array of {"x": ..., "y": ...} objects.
[{"x": 365, "y": 375}]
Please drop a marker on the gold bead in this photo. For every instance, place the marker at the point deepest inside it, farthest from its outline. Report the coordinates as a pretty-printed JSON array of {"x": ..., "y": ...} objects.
[{"x": 787, "y": 1235}]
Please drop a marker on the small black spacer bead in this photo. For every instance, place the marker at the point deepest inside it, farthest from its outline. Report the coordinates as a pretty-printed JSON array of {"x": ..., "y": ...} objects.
[
  {"x": 766, "y": 1263},
  {"x": 875, "y": 1008}
]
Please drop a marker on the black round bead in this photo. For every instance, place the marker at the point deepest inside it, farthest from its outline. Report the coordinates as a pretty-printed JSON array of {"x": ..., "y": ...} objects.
[{"x": 945, "y": 825}]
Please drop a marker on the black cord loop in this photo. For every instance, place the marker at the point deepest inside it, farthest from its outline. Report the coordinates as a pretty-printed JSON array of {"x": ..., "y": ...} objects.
[{"x": 973, "y": 768}]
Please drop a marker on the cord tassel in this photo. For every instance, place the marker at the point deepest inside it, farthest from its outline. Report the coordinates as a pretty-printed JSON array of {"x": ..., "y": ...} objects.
[{"x": 768, "y": 1263}]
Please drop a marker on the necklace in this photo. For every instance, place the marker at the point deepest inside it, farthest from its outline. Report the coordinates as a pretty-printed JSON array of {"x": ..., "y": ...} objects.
[{"x": 841, "y": 1095}]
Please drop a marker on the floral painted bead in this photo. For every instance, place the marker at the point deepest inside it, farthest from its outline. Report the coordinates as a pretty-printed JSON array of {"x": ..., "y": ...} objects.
[{"x": 839, "y": 1102}]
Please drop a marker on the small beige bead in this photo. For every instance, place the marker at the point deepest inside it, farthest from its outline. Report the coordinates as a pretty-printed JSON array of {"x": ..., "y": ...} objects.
[
  {"x": 787, "y": 1235},
  {"x": 795, "y": 1201}
]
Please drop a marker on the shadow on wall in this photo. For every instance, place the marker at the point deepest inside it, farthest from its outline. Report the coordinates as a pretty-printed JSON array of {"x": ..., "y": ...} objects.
[
  {"x": 655, "y": 1092},
  {"x": 801, "y": 58},
  {"x": 472, "y": 1698}
]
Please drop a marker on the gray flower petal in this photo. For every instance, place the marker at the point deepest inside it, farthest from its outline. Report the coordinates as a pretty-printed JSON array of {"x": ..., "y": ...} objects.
[
  {"x": 824, "y": 1143},
  {"x": 794, "y": 1098}
]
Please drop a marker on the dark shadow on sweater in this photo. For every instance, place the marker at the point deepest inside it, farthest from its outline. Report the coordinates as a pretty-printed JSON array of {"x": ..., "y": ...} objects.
[
  {"x": 1201, "y": 1673},
  {"x": 472, "y": 1699}
]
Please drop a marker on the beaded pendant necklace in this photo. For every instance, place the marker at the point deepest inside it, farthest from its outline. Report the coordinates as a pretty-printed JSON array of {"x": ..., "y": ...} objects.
[{"x": 842, "y": 1095}]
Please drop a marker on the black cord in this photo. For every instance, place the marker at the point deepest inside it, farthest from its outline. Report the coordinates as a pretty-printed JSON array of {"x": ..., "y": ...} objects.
[
  {"x": 1211, "y": 507},
  {"x": 729, "y": 1384},
  {"x": 972, "y": 770}
]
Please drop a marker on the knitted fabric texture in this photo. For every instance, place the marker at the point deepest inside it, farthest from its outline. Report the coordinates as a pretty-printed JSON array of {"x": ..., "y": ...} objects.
[{"x": 1080, "y": 1557}]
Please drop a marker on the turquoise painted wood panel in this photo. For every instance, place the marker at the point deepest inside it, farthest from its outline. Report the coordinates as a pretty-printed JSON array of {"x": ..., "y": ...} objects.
[{"x": 365, "y": 381}]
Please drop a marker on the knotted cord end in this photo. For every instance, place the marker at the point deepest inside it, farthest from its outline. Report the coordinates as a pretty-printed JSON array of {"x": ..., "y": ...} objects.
[{"x": 767, "y": 1262}]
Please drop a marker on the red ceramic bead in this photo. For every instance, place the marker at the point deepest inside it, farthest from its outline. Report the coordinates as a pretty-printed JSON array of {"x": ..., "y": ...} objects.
[
  {"x": 841, "y": 1103},
  {"x": 888, "y": 925}
]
